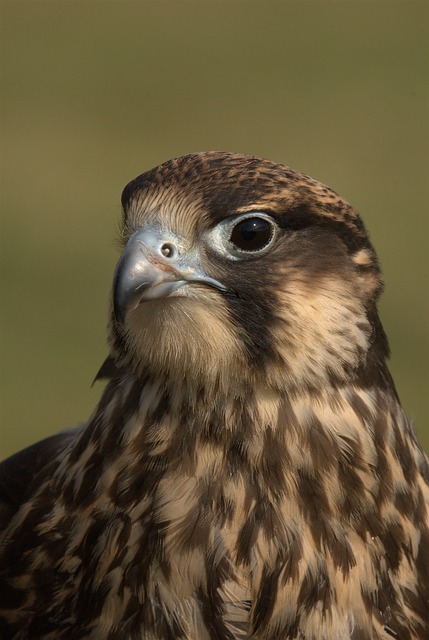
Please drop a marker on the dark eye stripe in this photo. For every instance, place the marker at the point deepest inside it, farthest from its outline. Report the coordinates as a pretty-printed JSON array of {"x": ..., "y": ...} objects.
[{"x": 252, "y": 234}]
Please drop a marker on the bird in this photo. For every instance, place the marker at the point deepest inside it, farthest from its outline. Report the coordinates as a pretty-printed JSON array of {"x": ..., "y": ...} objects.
[{"x": 248, "y": 472}]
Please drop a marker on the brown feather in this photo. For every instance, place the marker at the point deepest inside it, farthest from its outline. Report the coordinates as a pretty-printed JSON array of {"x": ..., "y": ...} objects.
[{"x": 248, "y": 471}]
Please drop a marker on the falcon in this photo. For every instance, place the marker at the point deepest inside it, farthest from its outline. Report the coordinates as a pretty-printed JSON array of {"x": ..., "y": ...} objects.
[{"x": 249, "y": 472}]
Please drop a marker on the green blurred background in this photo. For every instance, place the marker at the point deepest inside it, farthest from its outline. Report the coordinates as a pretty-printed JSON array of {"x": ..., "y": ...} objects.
[{"x": 93, "y": 93}]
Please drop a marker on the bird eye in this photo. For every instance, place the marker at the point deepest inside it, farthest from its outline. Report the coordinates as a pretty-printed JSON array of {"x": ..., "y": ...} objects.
[
  {"x": 243, "y": 237},
  {"x": 252, "y": 234}
]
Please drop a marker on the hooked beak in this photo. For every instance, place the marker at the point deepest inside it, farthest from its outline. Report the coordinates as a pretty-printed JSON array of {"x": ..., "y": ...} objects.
[{"x": 154, "y": 264}]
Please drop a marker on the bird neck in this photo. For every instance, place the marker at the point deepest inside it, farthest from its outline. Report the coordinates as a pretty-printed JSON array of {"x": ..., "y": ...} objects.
[
  {"x": 303, "y": 483},
  {"x": 149, "y": 426}
]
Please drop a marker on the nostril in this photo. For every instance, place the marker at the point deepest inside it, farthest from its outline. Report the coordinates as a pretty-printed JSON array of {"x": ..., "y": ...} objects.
[{"x": 168, "y": 250}]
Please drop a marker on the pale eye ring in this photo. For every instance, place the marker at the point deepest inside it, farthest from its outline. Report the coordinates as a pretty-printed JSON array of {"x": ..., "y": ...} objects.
[{"x": 246, "y": 236}]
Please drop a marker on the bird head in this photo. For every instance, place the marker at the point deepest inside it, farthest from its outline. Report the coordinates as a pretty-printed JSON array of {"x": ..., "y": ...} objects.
[{"x": 237, "y": 270}]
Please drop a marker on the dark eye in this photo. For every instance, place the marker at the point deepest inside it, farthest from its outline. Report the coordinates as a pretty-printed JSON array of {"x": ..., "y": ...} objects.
[{"x": 252, "y": 234}]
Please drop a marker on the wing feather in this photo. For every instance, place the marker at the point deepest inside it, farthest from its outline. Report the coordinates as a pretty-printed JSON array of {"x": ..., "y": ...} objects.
[{"x": 23, "y": 472}]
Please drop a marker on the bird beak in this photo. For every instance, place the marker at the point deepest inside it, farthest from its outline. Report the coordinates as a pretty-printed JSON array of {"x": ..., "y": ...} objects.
[{"x": 155, "y": 264}]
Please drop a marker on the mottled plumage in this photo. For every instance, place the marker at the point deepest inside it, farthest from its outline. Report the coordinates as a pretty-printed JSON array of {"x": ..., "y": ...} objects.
[{"x": 248, "y": 471}]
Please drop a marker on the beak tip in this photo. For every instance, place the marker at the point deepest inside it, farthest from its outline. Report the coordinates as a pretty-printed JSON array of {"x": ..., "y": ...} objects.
[{"x": 143, "y": 274}]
